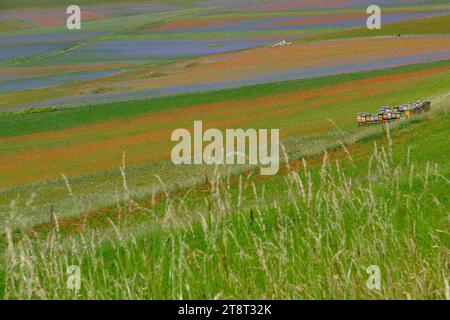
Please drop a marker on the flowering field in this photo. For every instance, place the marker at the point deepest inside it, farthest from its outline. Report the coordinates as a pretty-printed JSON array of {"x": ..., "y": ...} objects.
[{"x": 86, "y": 118}]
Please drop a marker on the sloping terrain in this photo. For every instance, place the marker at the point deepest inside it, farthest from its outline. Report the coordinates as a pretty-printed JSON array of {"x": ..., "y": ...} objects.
[{"x": 86, "y": 177}]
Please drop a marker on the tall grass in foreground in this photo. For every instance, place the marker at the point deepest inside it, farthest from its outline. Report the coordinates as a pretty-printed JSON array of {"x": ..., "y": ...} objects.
[{"x": 312, "y": 235}]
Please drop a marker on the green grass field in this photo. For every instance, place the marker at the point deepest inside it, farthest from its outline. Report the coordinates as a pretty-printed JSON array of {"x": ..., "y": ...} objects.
[{"x": 309, "y": 233}]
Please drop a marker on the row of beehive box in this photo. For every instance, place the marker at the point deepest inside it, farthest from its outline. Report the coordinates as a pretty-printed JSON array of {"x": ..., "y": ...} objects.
[{"x": 393, "y": 113}]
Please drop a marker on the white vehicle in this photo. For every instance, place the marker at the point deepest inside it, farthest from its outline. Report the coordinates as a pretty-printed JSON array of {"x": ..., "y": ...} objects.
[{"x": 282, "y": 44}]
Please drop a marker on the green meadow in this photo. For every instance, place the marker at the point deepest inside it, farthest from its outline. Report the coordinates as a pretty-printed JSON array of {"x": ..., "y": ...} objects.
[{"x": 310, "y": 233}]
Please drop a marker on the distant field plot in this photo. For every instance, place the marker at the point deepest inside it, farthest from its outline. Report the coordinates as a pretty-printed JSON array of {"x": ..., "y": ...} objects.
[
  {"x": 8, "y": 23},
  {"x": 141, "y": 49},
  {"x": 241, "y": 23}
]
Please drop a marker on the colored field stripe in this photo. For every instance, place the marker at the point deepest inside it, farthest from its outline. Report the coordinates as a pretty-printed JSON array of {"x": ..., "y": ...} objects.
[
  {"x": 245, "y": 68},
  {"x": 29, "y": 123}
]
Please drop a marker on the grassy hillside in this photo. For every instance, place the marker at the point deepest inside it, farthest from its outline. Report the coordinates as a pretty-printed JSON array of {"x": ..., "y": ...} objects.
[
  {"x": 309, "y": 233},
  {"x": 90, "y": 150},
  {"x": 424, "y": 26}
]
